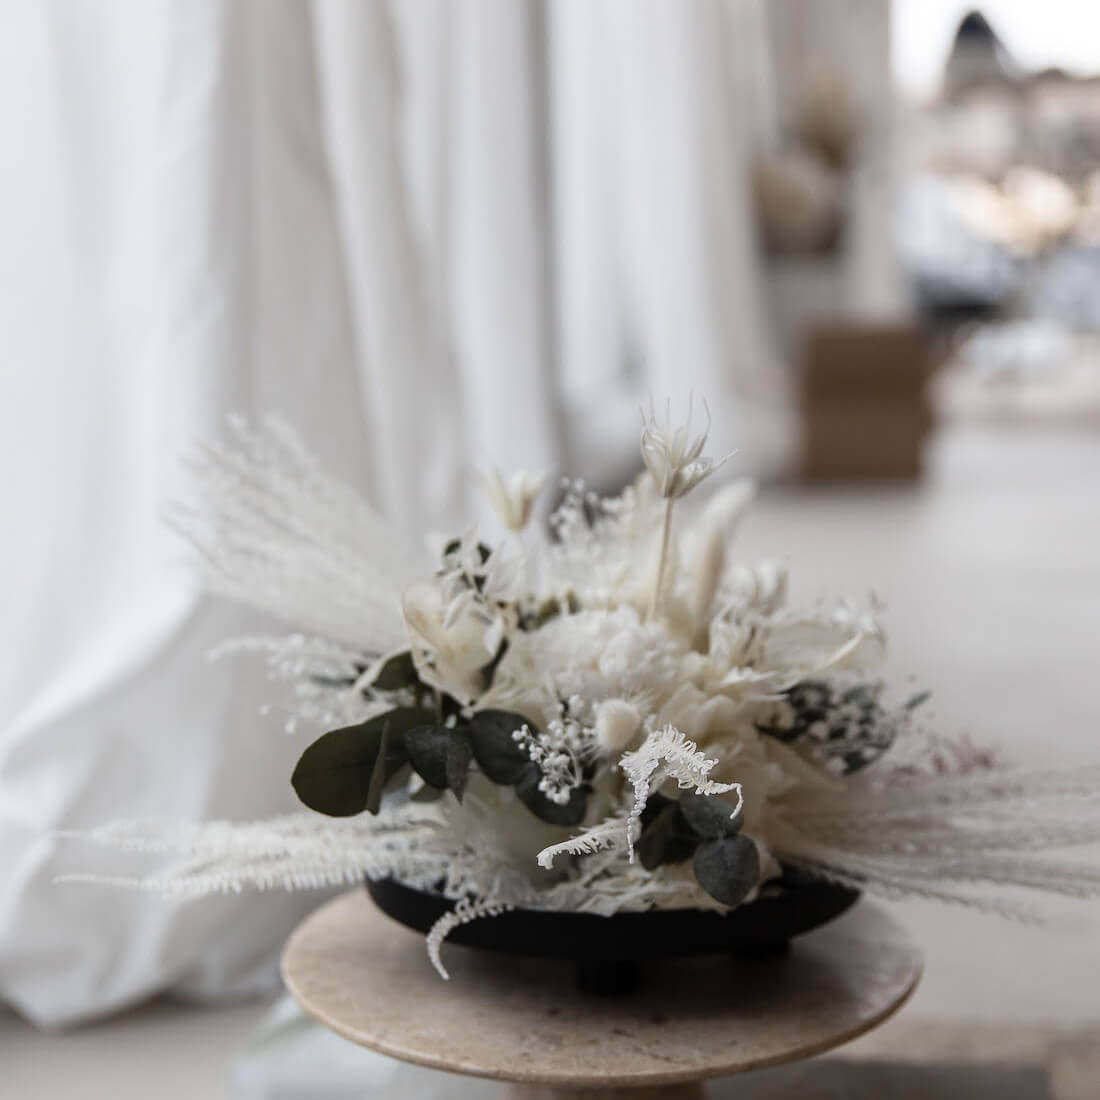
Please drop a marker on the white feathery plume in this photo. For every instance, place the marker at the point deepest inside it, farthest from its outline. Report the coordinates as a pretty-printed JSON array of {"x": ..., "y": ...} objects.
[
  {"x": 899, "y": 796},
  {"x": 275, "y": 531},
  {"x": 894, "y": 887},
  {"x": 945, "y": 836},
  {"x": 297, "y": 851},
  {"x": 295, "y": 657},
  {"x": 324, "y": 679}
]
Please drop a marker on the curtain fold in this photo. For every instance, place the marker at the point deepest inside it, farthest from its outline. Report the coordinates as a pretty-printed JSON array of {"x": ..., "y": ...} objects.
[{"x": 658, "y": 268}]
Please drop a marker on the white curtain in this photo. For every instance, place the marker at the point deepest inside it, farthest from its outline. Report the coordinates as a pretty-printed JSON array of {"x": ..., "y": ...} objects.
[
  {"x": 658, "y": 280},
  {"x": 433, "y": 235}
]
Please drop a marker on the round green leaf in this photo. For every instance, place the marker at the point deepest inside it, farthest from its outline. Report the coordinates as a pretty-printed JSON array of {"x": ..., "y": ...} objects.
[
  {"x": 427, "y": 749},
  {"x": 397, "y": 673},
  {"x": 333, "y": 776},
  {"x": 666, "y": 838},
  {"x": 572, "y": 813},
  {"x": 459, "y": 755},
  {"x": 709, "y": 816},
  {"x": 440, "y": 756},
  {"x": 497, "y": 754},
  {"x": 727, "y": 868}
]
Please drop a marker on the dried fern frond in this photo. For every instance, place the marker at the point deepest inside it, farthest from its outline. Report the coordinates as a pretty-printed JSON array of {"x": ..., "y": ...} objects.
[
  {"x": 464, "y": 912},
  {"x": 667, "y": 754},
  {"x": 612, "y": 833}
]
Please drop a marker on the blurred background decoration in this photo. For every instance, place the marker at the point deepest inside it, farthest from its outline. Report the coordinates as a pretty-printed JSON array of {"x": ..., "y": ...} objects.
[
  {"x": 999, "y": 217},
  {"x": 442, "y": 235}
]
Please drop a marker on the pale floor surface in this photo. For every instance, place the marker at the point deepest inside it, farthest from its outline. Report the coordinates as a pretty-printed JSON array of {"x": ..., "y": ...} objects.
[
  {"x": 164, "y": 1050},
  {"x": 177, "y": 1052},
  {"x": 991, "y": 570}
]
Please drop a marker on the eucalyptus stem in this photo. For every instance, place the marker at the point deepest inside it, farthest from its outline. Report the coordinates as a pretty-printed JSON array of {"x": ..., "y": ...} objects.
[{"x": 666, "y": 530}]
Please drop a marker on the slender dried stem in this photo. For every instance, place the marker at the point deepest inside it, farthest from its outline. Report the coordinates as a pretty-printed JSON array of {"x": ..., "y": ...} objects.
[{"x": 658, "y": 584}]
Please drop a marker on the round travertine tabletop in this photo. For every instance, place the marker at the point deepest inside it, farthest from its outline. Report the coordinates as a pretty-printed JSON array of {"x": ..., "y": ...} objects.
[{"x": 522, "y": 1020}]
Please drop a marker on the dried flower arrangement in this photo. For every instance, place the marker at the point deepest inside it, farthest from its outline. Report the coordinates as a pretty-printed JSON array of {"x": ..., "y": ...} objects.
[{"x": 608, "y": 716}]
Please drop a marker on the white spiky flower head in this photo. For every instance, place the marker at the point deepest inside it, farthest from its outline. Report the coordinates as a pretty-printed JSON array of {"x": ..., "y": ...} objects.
[
  {"x": 513, "y": 497},
  {"x": 673, "y": 455}
]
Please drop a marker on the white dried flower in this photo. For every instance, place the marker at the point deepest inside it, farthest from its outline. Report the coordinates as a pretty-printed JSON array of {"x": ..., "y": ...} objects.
[
  {"x": 617, "y": 722},
  {"x": 452, "y": 643},
  {"x": 726, "y": 507},
  {"x": 513, "y": 497},
  {"x": 673, "y": 455},
  {"x": 709, "y": 567}
]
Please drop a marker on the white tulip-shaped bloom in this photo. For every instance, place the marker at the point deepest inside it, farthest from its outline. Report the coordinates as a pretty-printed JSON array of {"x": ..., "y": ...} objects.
[
  {"x": 673, "y": 455},
  {"x": 513, "y": 497}
]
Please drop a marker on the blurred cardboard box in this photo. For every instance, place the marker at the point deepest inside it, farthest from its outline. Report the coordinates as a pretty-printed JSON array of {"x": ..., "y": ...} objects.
[{"x": 865, "y": 413}]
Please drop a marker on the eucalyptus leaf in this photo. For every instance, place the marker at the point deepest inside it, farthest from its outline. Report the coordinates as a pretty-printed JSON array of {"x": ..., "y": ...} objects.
[
  {"x": 440, "y": 756},
  {"x": 397, "y": 673},
  {"x": 495, "y": 750},
  {"x": 709, "y": 815},
  {"x": 666, "y": 838},
  {"x": 727, "y": 868},
  {"x": 459, "y": 754},
  {"x": 653, "y": 806},
  {"x": 427, "y": 748},
  {"x": 378, "y": 776},
  {"x": 572, "y": 813},
  {"x": 333, "y": 776}
]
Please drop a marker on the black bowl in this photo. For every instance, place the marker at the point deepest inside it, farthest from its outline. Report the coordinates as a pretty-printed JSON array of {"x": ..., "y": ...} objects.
[{"x": 607, "y": 950}]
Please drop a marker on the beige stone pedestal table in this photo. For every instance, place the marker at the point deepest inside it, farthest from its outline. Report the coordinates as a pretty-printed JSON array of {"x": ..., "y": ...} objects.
[{"x": 523, "y": 1021}]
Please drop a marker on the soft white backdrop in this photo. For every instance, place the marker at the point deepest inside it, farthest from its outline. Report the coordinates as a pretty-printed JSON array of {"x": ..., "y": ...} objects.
[{"x": 433, "y": 235}]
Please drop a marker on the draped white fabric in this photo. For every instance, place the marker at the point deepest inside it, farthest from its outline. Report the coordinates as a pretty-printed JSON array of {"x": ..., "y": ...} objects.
[{"x": 433, "y": 235}]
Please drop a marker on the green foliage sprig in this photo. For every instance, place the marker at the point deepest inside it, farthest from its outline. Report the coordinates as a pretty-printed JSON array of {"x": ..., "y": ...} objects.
[
  {"x": 347, "y": 770},
  {"x": 848, "y": 726},
  {"x": 700, "y": 828}
]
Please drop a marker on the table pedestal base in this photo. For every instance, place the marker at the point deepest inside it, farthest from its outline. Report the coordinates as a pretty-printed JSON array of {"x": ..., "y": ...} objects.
[
  {"x": 508, "y": 1017},
  {"x": 692, "y": 1091}
]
